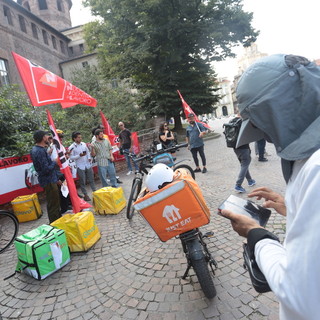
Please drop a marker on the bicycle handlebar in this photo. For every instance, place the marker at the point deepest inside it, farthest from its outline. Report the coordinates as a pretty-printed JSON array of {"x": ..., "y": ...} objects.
[{"x": 150, "y": 155}]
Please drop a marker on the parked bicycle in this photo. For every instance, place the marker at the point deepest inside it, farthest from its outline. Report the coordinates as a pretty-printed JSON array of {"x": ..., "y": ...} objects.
[
  {"x": 174, "y": 207},
  {"x": 145, "y": 163},
  {"x": 9, "y": 227}
]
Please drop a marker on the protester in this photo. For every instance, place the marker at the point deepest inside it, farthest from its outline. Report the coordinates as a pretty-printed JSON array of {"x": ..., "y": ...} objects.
[
  {"x": 126, "y": 144},
  {"x": 261, "y": 146},
  {"x": 195, "y": 133},
  {"x": 47, "y": 174},
  {"x": 279, "y": 100},
  {"x": 166, "y": 137},
  {"x": 100, "y": 126},
  {"x": 80, "y": 153},
  {"x": 243, "y": 154},
  {"x": 103, "y": 151}
]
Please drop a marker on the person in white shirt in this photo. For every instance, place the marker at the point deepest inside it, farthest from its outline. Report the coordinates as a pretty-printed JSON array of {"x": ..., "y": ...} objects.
[
  {"x": 80, "y": 153},
  {"x": 279, "y": 99}
]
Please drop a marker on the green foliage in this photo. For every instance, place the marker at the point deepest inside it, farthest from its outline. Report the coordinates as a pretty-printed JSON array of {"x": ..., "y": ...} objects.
[
  {"x": 165, "y": 45},
  {"x": 18, "y": 121}
]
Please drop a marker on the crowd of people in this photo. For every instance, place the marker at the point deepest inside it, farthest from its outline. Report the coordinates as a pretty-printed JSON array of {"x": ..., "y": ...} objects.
[{"x": 279, "y": 99}]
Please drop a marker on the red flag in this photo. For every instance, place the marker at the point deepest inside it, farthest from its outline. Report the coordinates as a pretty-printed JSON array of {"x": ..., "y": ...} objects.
[
  {"x": 136, "y": 146},
  {"x": 108, "y": 130},
  {"x": 77, "y": 203},
  {"x": 44, "y": 87},
  {"x": 187, "y": 110},
  {"x": 114, "y": 139}
]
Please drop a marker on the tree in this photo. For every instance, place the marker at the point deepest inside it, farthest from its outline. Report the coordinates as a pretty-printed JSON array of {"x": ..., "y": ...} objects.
[
  {"x": 18, "y": 121},
  {"x": 165, "y": 45}
]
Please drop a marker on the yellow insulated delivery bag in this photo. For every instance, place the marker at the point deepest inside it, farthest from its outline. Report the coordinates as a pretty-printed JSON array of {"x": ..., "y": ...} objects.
[
  {"x": 108, "y": 200},
  {"x": 42, "y": 251},
  {"x": 81, "y": 230},
  {"x": 26, "y": 208}
]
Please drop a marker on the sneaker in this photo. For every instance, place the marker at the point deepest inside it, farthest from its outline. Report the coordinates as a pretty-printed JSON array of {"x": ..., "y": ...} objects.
[
  {"x": 86, "y": 198},
  {"x": 204, "y": 170},
  {"x": 263, "y": 159},
  {"x": 197, "y": 170},
  {"x": 129, "y": 172},
  {"x": 251, "y": 183},
  {"x": 239, "y": 189}
]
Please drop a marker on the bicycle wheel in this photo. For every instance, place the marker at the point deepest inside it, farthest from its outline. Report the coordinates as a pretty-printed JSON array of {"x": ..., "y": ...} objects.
[
  {"x": 188, "y": 168},
  {"x": 135, "y": 190},
  {"x": 200, "y": 267},
  {"x": 8, "y": 229}
]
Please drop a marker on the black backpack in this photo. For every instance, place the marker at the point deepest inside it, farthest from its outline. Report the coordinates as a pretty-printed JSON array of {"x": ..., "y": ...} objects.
[{"x": 231, "y": 131}]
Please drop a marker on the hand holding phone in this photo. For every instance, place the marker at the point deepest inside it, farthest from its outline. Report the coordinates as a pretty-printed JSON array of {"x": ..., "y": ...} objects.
[{"x": 246, "y": 207}]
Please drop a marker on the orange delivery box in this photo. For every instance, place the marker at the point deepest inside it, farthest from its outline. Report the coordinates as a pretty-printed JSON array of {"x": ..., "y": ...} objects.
[{"x": 176, "y": 208}]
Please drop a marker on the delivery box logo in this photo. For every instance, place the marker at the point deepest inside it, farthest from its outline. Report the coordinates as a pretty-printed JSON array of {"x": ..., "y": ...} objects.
[{"x": 171, "y": 213}]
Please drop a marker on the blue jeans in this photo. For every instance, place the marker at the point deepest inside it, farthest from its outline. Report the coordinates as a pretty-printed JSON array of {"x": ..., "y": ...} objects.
[
  {"x": 111, "y": 171},
  {"x": 244, "y": 158},
  {"x": 261, "y": 148},
  {"x": 128, "y": 160}
]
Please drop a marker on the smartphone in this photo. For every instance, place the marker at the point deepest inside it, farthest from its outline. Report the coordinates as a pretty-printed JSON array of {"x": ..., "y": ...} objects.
[{"x": 246, "y": 207}]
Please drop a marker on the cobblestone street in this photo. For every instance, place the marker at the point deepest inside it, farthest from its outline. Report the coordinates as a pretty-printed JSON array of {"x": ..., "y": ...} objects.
[{"x": 131, "y": 274}]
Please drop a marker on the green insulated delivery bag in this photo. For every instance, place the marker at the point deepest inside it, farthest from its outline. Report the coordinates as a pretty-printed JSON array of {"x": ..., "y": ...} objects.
[{"x": 42, "y": 251}]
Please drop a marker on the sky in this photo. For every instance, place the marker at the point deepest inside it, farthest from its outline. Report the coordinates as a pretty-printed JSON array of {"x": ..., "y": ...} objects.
[{"x": 286, "y": 26}]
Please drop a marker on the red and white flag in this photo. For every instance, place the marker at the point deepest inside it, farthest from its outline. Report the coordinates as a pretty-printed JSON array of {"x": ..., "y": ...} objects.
[
  {"x": 187, "y": 110},
  {"x": 114, "y": 139},
  {"x": 77, "y": 203},
  {"x": 44, "y": 87}
]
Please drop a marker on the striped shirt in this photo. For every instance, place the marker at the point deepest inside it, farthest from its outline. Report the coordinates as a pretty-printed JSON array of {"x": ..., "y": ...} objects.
[{"x": 102, "y": 150}]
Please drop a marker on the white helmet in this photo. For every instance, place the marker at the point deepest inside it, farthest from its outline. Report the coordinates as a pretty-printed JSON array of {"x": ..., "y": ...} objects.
[{"x": 157, "y": 176}]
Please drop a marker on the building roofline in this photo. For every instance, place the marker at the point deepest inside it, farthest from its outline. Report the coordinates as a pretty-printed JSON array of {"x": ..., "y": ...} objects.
[{"x": 77, "y": 58}]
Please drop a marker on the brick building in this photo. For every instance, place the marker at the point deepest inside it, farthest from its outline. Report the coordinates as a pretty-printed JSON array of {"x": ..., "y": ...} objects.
[{"x": 33, "y": 29}]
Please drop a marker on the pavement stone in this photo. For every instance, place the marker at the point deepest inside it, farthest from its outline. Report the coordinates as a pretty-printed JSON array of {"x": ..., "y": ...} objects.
[{"x": 131, "y": 274}]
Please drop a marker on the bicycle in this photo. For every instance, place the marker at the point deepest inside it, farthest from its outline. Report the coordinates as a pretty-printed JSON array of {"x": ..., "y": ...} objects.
[
  {"x": 144, "y": 164},
  {"x": 170, "y": 216},
  {"x": 9, "y": 227},
  {"x": 199, "y": 257}
]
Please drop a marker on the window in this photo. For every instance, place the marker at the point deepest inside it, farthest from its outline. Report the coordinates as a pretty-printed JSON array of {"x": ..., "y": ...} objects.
[
  {"x": 85, "y": 64},
  {"x": 26, "y": 5},
  {"x": 45, "y": 37},
  {"x": 62, "y": 46},
  {"x": 22, "y": 23},
  {"x": 71, "y": 50},
  {"x": 42, "y": 4},
  {"x": 7, "y": 14},
  {"x": 81, "y": 47},
  {"x": 60, "y": 5},
  {"x": 34, "y": 31},
  {"x": 54, "y": 42},
  {"x": 4, "y": 74}
]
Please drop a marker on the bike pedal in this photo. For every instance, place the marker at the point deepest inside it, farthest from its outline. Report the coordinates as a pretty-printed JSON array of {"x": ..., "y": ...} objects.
[{"x": 208, "y": 234}]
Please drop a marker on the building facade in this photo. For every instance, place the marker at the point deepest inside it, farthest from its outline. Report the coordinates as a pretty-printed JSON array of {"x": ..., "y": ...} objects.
[
  {"x": 225, "y": 104},
  {"x": 26, "y": 34},
  {"x": 78, "y": 59}
]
